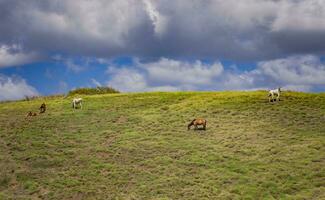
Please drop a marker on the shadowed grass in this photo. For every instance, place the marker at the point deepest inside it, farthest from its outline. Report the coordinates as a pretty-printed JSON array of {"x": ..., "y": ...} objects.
[{"x": 136, "y": 146}]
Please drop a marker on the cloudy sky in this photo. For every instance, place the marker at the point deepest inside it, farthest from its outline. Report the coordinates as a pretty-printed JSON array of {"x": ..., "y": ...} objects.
[{"x": 52, "y": 46}]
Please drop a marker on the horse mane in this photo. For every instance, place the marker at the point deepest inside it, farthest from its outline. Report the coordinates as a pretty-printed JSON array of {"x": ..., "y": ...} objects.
[{"x": 192, "y": 122}]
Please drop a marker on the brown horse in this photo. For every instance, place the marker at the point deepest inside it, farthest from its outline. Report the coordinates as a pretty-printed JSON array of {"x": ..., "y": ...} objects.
[
  {"x": 196, "y": 123},
  {"x": 42, "y": 108},
  {"x": 31, "y": 114}
]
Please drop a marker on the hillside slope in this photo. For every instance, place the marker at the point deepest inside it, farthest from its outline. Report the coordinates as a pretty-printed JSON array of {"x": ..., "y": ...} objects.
[{"x": 136, "y": 146}]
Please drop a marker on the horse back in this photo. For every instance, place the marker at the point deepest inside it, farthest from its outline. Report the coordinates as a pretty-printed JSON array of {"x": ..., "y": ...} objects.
[{"x": 200, "y": 121}]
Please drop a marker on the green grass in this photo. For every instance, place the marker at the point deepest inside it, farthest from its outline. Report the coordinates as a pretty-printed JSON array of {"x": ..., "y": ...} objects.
[{"x": 136, "y": 146}]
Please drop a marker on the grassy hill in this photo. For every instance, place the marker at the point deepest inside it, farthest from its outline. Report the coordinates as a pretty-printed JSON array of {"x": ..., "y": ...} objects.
[{"x": 136, "y": 146}]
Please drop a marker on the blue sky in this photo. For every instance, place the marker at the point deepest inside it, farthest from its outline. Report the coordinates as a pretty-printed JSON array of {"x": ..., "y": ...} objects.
[
  {"x": 51, "y": 47},
  {"x": 51, "y": 77},
  {"x": 55, "y": 76}
]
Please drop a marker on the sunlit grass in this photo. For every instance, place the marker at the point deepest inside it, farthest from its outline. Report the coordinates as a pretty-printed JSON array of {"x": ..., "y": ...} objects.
[{"x": 136, "y": 146}]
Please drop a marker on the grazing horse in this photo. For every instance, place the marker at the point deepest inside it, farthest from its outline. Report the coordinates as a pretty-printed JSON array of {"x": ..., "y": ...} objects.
[
  {"x": 274, "y": 92},
  {"x": 76, "y": 102},
  {"x": 196, "y": 123},
  {"x": 31, "y": 114},
  {"x": 42, "y": 109}
]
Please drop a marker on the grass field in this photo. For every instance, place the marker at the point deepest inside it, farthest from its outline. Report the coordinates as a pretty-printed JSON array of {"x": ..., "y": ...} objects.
[{"x": 136, "y": 146}]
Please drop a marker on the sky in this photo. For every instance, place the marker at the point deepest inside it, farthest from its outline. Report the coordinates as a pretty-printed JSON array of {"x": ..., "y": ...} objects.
[{"x": 52, "y": 46}]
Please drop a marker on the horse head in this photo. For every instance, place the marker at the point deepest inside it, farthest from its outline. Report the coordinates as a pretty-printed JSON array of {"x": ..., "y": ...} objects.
[{"x": 189, "y": 126}]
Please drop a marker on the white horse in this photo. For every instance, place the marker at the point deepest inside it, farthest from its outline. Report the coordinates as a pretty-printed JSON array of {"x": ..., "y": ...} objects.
[
  {"x": 275, "y": 92},
  {"x": 76, "y": 102}
]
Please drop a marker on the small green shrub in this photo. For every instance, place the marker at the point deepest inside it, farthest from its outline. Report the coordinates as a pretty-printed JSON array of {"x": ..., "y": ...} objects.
[{"x": 92, "y": 91}]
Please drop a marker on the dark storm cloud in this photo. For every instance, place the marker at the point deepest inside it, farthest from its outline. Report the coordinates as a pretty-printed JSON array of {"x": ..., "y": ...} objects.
[{"x": 239, "y": 30}]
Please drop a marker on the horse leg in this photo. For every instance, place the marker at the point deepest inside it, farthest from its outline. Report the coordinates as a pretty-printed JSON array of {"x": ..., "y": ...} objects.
[
  {"x": 195, "y": 127},
  {"x": 271, "y": 97}
]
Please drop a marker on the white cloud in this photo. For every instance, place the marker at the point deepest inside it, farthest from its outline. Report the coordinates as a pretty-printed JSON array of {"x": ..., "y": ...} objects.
[
  {"x": 295, "y": 70},
  {"x": 164, "y": 75},
  {"x": 95, "y": 82},
  {"x": 300, "y": 88},
  {"x": 98, "y": 21},
  {"x": 14, "y": 56},
  {"x": 13, "y": 88},
  {"x": 180, "y": 72},
  {"x": 163, "y": 88},
  {"x": 301, "y": 73},
  {"x": 132, "y": 80},
  {"x": 159, "y": 21},
  {"x": 127, "y": 80},
  {"x": 300, "y": 16},
  {"x": 74, "y": 67}
]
